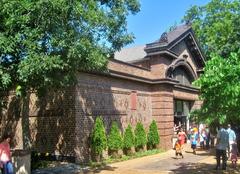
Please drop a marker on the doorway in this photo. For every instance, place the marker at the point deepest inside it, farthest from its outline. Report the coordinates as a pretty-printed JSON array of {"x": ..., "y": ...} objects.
[{"x": 182, "y": 109}]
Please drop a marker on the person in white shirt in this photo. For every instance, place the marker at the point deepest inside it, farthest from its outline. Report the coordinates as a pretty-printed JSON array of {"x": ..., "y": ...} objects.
[
  {"x": 221, "y": 147},
  {"x": 232, "y": 138}
]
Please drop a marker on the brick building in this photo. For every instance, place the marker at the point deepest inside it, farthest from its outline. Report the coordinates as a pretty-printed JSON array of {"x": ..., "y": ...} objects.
[{"x": 153, "y": 81}]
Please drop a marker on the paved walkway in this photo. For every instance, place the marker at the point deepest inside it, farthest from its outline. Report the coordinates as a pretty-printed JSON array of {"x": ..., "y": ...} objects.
[{"x": 164, "y": 163}]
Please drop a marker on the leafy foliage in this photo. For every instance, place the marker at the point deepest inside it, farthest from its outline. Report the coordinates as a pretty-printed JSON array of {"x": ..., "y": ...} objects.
[
  {"x": 217, "y": 26},
  {"x": 43, "y": 43},
  {"x": 98, "y": 138},
  {"x": 115, "y": 139},
  {"x": 128, "y": 138},
  {"x": 220, "y": 90},
  {"x": 140, "y": 135},
  {"x": 153, "y": 136}
]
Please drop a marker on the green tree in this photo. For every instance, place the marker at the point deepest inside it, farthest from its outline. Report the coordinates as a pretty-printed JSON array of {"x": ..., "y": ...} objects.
[
  {"x": 153, "y": 136},
  {"x": 217, "y": 26},
  {"x": 44, "y": 43},
  {"x": 128, "y": 138},
  {"x": 115, "y": 139},
  {"x": 140, "y": 136},
  {"x": 98, "y": 137},
  {"x": 220, "y": 90}
]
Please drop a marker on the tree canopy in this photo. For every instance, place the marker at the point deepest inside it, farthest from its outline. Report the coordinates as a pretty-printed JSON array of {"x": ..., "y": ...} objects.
[
  {"x": 216, "y": 25},
  {"x": 44, "y": 42},
  {"x": 220, "y": 90}
]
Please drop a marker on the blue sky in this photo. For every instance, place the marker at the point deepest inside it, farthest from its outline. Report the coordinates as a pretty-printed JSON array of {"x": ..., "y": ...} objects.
[{"x": 156, "y": 16}]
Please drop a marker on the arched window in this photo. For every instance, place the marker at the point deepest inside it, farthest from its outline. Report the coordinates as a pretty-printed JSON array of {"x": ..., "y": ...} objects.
[{"x": 182, "y": 76}]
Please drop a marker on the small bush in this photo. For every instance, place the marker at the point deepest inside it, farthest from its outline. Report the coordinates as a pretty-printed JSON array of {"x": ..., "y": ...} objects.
[
  {"x": 98, "y": 138},
  {"x": 115, "y": 139},
  {"x": 153, "y": 136},
  {"x": 140, "y": 136},
  {"x": 128, "y": 138}
]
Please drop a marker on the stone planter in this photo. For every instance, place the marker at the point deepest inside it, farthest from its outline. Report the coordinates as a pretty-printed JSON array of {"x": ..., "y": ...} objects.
[{"x": 21, "y": 161}]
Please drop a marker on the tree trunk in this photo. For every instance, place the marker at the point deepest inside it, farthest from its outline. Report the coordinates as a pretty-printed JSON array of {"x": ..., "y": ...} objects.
[{"x": 26, "y": 138}]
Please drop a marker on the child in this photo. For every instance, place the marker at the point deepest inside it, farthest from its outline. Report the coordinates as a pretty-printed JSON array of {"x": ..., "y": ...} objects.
[
  {"x": 234, "y": 153},
  {"x": 194, "y": 138},
  {"x": 178, "y": 149},
  {"x": 202, "y": 138}
]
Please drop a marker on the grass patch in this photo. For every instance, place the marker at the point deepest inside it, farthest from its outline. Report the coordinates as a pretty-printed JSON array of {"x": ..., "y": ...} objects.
[{"x": 125, "y": 158}]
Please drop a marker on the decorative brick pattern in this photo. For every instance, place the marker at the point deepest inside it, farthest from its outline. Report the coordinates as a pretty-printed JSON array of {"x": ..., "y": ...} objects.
[{"x": 61, "y": 123}]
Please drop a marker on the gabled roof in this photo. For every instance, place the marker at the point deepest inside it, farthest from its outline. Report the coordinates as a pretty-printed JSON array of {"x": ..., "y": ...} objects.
[
  {"x": 168, "y": 40},
  {"x": 164, "y": 45},
  {"x": 131, "y": 54}
]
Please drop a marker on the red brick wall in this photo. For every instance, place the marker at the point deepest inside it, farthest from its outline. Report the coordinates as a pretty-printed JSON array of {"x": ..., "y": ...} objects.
[
  {"x": 185, "y": 94},
  {"x": 110, "y": 98},
  {"x": 51, "y": 118},
  {"x": 162, "y": 112},
  {"x": 10, "y": 119},
  {"x": 144, "y": 64},
  {"x": 158, "y": 65},
  {"x": 126, "y": 68},
  {"x": 52, "y": 122},
  {"x": 62, "y": 122}
]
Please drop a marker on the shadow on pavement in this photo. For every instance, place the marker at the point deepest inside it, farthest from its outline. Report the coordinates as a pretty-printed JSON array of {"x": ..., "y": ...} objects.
[
  {"x": 108, "y": 168},
  {"x": 203, "y": 168},
  {"x": 202, "y": 152}
]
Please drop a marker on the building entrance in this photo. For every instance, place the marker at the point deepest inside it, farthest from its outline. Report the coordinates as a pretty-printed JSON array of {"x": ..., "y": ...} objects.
[{"x": 181, "y": 113}]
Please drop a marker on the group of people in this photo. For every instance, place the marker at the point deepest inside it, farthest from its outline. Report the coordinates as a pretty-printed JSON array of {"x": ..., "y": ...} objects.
[
  {"x": 194, "y": 136},
  {"x": 226, "y": 147},
  {"x": 226, "y": 144}
]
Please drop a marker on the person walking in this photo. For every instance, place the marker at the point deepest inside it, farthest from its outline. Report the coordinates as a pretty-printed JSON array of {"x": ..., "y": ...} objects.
[
  {"x": 234, "y": 153},
  {"x": 202, "y": 138},
  {"x": 221, "y": 147},
  {"x": 182, "y": 137},
  {"x": 232, "y": 139},
  {"x": 207, "y": 137},
  {"x": 194, "y": 139},
  {"x": 5, "y": 155}
]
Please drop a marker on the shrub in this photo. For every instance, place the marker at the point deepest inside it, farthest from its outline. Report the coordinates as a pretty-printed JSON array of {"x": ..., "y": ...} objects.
[
  {"x": 153, "y": 136},
  {"x": 115, "y": 138},
  {"x": 128, "y": 138},
  {"x": 98, "y": 138},
  {"x": 140, "y": 136}
]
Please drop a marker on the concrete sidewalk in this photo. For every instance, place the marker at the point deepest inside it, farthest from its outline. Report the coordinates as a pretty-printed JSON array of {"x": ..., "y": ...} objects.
[
  {"x": 164, "y": 163},
  {"x": 167, "y": 163}
]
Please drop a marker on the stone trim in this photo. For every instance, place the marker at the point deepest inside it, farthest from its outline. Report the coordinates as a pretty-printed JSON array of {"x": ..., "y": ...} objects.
[
  {"x": 162, "y": 95},
  {"x": 177, "y": 63},
  {"x": 187, "y": 88}
]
